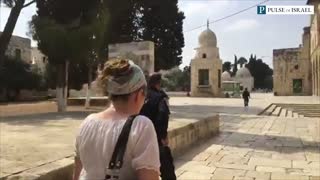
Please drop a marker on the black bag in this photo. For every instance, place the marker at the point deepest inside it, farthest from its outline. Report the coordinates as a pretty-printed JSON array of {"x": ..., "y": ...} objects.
[
  {"x": 116, "y": 161},
  {"x": 167, "y": 165}
]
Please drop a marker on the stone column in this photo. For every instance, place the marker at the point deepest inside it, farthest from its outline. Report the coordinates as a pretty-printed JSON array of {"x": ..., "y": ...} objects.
[
  {"x": 314, "y": 78},
  {"x": 318, "y": 78}
]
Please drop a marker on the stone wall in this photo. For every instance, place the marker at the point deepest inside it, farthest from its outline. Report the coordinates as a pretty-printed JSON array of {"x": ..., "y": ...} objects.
[
  {"x": 21, "y": 44},
  {"x": 291, "y": 64},
  {"x": 315, "y": 48},
  {"x": 142, "y": 53},
  {"x": 38, "y": 59},
  {"x": 207, "y": 91}
]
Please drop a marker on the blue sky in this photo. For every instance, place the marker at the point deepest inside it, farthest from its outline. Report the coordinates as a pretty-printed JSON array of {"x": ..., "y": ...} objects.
[{"x": 242, "y": 34}]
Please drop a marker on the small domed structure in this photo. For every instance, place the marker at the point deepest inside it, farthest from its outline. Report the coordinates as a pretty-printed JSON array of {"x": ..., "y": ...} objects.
[
  {"x": 243, "y": 73},
  {"x": 207, "y": 39},
  {"x": 245, "y": 78},
  {"x": 225, "y": 76}
]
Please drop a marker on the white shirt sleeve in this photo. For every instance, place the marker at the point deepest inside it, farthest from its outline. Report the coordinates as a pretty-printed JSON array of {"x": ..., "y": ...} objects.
[{"x": 145, "y": 148}]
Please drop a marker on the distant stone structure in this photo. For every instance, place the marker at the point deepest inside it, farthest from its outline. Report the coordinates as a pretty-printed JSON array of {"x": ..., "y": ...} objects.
[
  {"x": 39, "y": 59},
  {"x": 244, "y": 77},
  {"x": 292, "y": 69},
  {"x": 142, "y": 53},
  {"x": 19, "y": 48},
  {"x": 315, "y": 47},
  {"x": 206, "y": 67}
]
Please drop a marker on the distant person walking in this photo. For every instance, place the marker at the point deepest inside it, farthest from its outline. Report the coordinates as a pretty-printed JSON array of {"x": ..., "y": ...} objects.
[
  {"x": 156, "y": 108},
  {"x": 246, "y": 96}
]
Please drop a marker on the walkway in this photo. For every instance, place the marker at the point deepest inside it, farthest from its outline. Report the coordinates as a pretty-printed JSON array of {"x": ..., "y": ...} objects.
[{"x": 256, "y": 147}]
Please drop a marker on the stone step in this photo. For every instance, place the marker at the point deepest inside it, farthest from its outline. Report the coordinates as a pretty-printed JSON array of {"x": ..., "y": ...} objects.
[
  {"x": 311, "y": 115},
  {"x": 269, "y": 111},
  {"x": 277, "y": 111},
  {"x": 283, "y": 112},
  {"x": 295, "y": 115},
  {"x": 307, "y": 112},
  {"x": 289, "y": 114}
]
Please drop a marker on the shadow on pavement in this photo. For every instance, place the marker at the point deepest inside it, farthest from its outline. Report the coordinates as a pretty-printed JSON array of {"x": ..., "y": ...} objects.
[
  {"x": 213, "y": 109},
  {"x": 44, "y": 117}
]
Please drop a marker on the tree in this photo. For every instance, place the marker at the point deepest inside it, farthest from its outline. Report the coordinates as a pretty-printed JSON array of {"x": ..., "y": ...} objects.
[
  {"x": 64, "y": 31},
  {"x": 148, "y": 20},
  {"x": 242, "y": 61},
  {"x": 235, "y": 66},
  {"x": 162, "y": 23},
  {"x": 177, "y": 80},
  {"x": 17, "y": 75},
  {"x": 226, "y": 66},
  {"x": 261, "y": 72},
  {"x": 16, "y": 7}
]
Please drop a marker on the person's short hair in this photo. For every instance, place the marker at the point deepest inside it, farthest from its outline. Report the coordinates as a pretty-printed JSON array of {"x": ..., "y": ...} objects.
[{"x": 154, "y": 79}]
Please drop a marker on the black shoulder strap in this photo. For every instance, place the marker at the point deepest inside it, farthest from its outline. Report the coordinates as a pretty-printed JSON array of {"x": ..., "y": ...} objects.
[{"x": 120, "y": 148}]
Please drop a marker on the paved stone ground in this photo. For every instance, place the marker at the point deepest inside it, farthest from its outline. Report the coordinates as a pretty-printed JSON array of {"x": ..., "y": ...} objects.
[
  {"x": 32, "y": 140},
  {"x": 256, "y": 147},
  {"x": 248, "y": 146}
]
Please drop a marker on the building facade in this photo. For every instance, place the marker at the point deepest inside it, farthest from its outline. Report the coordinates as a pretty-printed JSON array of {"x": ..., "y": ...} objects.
[
  {"x": 38, "y": 59},
  {"x": 206, "y": 67},
  {"x": 142, "y": 53},
  {"x": 292, "y": 69},
  {"x": 315, "y": 46},
  {"x": 19, "y": 48}
]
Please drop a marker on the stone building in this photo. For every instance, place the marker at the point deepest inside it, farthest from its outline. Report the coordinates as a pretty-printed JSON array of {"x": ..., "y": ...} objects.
[
  {"x": 38, "y": 59},
  {"x": 292, "y": 69},
  {"x": 206, "y": 67},
  {"x": 20, "y": 48},
  {"x": 142, "y": 53},
  {"x": 315, "y": 46}
]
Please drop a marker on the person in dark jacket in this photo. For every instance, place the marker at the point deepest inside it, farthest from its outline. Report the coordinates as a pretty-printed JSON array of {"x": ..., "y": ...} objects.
[
  {"x": 156, "y": 108},
  {"x": 246, "y": 96}
]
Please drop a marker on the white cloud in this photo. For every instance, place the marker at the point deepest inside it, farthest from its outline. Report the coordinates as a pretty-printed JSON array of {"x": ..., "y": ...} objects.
[{"x": 243, "y": 24}]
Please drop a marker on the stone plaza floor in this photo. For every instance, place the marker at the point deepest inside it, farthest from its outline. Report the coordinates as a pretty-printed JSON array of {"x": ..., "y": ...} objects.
[
  {"x": 248, "y": 146},
  {"x": 256, "y": 147}
]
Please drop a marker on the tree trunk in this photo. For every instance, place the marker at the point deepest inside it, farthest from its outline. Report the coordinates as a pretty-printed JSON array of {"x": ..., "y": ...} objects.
[
  {"x": 60, "y": 85},
  {"x": 87, "y": 104},
  {"x": 8, "y": 30},
  {"x": 66, "y": 73}
]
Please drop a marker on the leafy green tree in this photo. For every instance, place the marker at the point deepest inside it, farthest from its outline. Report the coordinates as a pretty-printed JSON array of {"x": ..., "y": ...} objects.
[
  {"x": 226, "y": 66},
  {"x": 162, "y": 23},
  {"x": 235, "y": 66},
  {"x": 261, "y": 72},
  {"x": 16, "y": 7},
  {"x": 177, "y": 79},
  {"x": 148, "y": 20},
  {"x": 64, "y": 31},
  {"x": 16, "y": 75},
  {"x": 242, "y": 61}
]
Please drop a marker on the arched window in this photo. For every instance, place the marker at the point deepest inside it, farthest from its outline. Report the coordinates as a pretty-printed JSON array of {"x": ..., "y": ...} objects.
[{"x": 204, "y": 55}]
